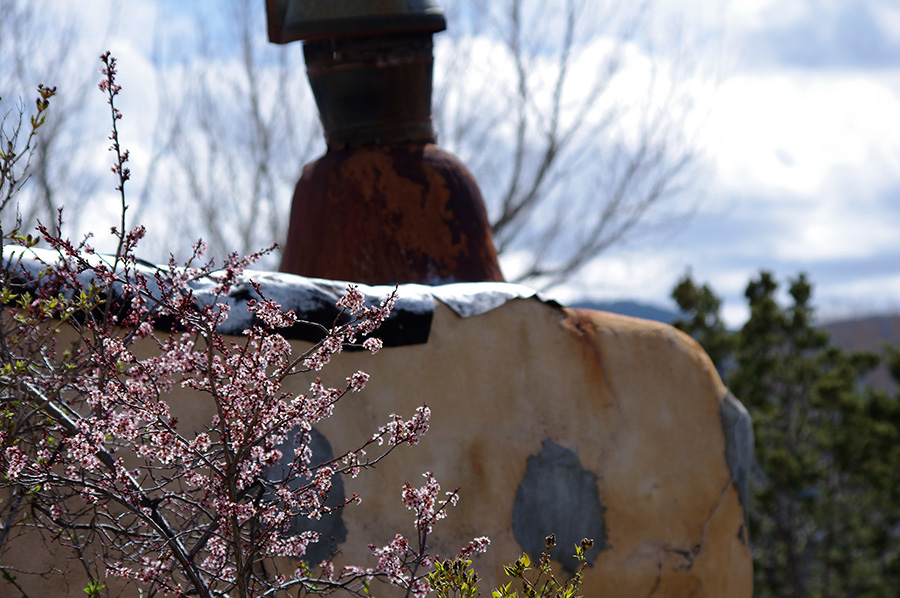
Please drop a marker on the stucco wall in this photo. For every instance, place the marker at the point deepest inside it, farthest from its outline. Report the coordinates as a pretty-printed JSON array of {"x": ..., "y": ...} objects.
[{"x": 529, "y": 400}]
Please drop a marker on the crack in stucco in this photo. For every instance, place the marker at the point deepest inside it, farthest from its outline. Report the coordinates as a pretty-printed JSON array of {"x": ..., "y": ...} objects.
[{"x": 688, "y": 556}]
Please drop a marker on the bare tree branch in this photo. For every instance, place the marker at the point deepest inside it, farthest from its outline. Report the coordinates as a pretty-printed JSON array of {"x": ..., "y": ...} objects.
[
  {"x": 59, "y": 177},
  {"x": 248, "y": 124},
  {"x": 580, "y": 169}
]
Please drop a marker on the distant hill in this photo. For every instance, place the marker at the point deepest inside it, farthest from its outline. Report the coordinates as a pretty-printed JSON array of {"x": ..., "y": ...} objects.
[
  {"x": 633, "y": 309},
  {"x": 868, "y": 334}
]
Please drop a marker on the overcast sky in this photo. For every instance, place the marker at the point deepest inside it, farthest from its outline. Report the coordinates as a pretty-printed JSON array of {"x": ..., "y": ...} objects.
[
  {"x": 803, "y": 141},
  {"x": 800, "y": 136}
]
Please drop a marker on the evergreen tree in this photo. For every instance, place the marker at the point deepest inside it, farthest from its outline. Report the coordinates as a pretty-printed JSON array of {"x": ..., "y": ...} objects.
[{"x": 824, "y": 512}]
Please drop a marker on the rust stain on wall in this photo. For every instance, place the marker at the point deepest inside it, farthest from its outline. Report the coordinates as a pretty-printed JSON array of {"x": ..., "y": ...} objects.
[
  {"x": 475, "y": 456},
  {"x": 582, "y": 324}
]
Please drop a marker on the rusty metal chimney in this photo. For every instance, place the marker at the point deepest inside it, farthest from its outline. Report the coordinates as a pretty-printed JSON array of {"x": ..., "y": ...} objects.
[{"x": 384, "y": 204}]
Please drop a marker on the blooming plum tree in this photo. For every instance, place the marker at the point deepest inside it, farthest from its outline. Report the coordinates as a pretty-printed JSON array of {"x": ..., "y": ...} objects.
[{"x": 91, "y": 451}]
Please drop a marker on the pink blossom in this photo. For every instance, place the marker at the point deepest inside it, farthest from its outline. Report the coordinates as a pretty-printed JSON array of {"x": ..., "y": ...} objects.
[
  {"x": 144, "y": 330},
  {"x": 271, "y": 315},
  {"x": 411, "y": 431},
  {"x": 358, "y": 381},
  {"x": 390, "y": 560},
  {"x": 201, "y": 443},
  {"x": 352, "y": 299},
  {"x": 16, "y": 462},
  {"x": 373, "y": 344},
  {"x": 292, "y": 546},
  {"x": 352, "y": 459},
  {"x": 476, "y": 546},
  {"x": 424, "y": 502}
]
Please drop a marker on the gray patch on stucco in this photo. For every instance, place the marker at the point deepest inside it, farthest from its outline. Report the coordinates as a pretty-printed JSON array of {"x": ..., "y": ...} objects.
[
  {"x": 330, "y": 526},
  {"x": 558, "y": 496},
  {"x": 738, "y": 429}
]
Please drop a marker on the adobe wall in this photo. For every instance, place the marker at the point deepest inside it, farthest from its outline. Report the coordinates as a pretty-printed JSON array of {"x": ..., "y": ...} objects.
[{"x": 549, "y": 420}]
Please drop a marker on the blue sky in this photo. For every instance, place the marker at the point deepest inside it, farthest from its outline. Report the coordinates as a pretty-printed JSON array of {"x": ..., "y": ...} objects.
[{"x": 798, "y": 124}]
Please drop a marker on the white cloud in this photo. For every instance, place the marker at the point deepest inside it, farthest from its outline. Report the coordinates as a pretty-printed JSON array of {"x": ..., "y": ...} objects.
[
  {"x": 642, "y": 276},
  {"x": 790, "y": 132},
  {"x": 810, "y": 157},
  {"x": 888, "y": 15},
  {"x": 835, "y": 230},
  {"x": 767, "y": 13}
]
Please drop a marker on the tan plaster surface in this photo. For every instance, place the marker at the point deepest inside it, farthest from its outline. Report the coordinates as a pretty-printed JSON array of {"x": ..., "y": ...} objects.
[{"x": 638, "y": 402}]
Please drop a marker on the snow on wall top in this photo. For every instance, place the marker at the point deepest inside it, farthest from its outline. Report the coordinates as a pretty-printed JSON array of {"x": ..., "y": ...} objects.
[{"x": 313, "y": 299}]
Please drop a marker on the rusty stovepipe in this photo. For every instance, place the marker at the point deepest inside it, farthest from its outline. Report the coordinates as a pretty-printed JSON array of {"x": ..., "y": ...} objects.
[{"x": 385, "y": 204}]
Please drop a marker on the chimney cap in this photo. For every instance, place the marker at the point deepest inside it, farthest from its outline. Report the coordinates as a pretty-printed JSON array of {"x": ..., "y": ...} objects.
[{"x": 292, "y": 20}]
